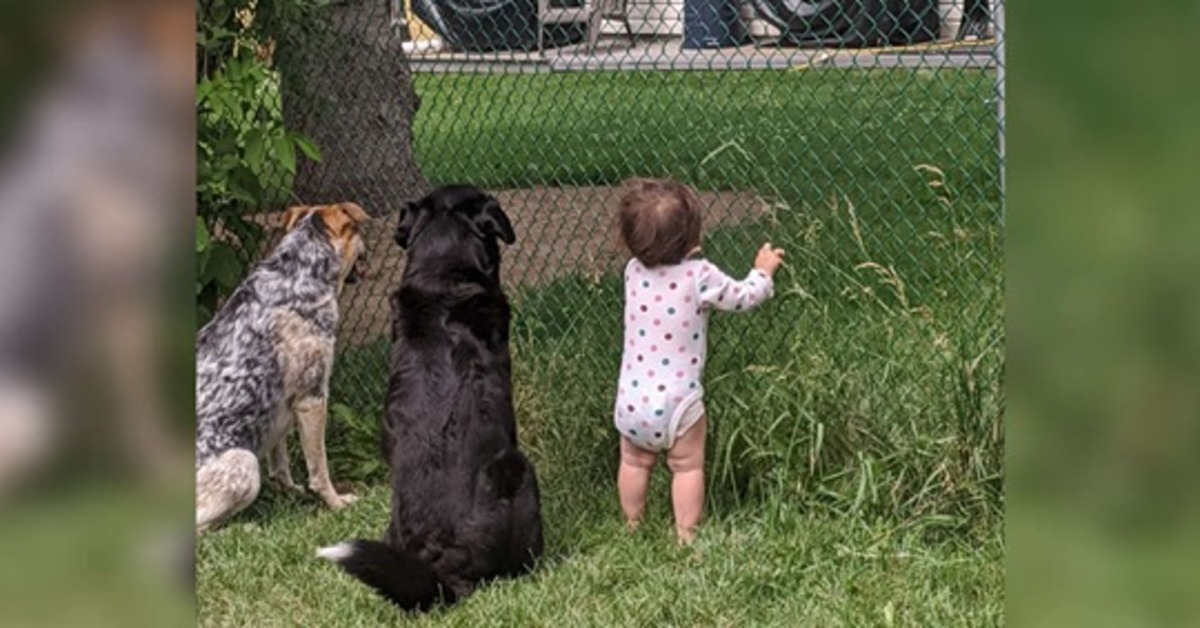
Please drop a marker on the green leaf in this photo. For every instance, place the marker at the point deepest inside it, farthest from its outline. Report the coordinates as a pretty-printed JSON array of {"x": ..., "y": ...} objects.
[
  {"x": 226, "y": 144},
  {"x": 307, "y": 147},
  {"x": 239, "y": 192},
  {"x": 285, "y": 153},
  {"x": 225, "y": 267},
  {"x": 202, "y": 277},
  {"x": 203, "y": 89},
  {"x": 255, "y": 150},
  {"x": 341, "y": 412},
  {"x": 202, "y": 236}
]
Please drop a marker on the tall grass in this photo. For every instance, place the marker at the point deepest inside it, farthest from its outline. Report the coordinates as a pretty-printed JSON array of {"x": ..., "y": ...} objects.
[
  {"x": 870, "y": 386},
  {"x": 854, "y": 460},
  {"x": 857, "y": 391}
]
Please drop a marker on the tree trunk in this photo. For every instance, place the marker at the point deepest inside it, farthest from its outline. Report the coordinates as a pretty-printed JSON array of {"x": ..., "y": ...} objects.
[{"x": 351, "y": 92}]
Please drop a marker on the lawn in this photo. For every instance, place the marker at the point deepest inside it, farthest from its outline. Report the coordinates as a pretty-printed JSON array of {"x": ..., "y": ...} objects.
[
  {"x": 855, "y": 461},
  {"x": 756, "y": 566}
]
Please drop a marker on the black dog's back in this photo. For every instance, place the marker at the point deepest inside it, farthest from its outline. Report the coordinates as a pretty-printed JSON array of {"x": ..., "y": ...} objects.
[
  {"x": 465, "y": 499},
  {"x": 464, "y": 495}
]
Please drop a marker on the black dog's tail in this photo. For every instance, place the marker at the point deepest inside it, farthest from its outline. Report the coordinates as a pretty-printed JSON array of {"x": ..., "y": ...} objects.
[{"x": 401, "y": 577}]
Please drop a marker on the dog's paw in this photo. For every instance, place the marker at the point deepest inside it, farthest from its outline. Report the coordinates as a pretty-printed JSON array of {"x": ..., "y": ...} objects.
[
  {"x": 289, "y": 486},
  {"x": 338, "y": 502}
]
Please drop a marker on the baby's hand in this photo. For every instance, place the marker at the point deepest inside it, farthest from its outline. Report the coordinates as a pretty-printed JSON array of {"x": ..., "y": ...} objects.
[{"x": 768, "y": 259}]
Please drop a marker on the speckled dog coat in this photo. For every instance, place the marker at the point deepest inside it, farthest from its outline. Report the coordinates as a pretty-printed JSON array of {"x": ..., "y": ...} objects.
[{"x": 263, "y": 364}]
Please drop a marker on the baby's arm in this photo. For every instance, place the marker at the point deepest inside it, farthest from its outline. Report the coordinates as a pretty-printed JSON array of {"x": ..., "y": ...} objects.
[{"x": 722, "y": 292}]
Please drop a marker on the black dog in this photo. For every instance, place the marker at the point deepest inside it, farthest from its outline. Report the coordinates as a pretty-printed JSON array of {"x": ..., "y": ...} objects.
[{"x": 465, "y": 503}]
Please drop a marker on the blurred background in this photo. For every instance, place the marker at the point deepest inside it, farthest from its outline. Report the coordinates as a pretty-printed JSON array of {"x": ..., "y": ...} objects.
[
  {"x": 96, "y": 313},
  {"x": 1102, "y": 314},
  {"x": 863, "y": 137},
  {"x": 97, "y": 291}
]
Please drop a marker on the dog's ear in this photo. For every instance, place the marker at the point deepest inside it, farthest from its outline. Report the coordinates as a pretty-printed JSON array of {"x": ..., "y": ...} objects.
[
  {"x": 492, "y": 222},
  {"x": 408, "y": 220},
  {"x": 294, "y": 214},
  {"x": 355, "y": 212}
]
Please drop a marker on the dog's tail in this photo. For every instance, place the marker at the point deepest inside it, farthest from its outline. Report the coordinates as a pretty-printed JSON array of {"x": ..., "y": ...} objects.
[{"x": 401, "y": 577}]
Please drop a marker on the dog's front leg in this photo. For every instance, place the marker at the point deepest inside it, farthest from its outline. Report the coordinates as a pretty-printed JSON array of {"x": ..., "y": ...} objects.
[
  {"x": 280, "y": 467},
  {"x": 310, "y": 412}
]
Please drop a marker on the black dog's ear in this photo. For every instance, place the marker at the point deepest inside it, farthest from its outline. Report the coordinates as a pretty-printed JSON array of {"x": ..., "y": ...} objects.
[
  {"x": 408, "y": 220},
  {"x": 492, "y": 222}
]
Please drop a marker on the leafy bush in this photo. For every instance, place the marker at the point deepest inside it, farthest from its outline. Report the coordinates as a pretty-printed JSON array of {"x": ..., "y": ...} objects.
[{"x": 246, "y": 158}]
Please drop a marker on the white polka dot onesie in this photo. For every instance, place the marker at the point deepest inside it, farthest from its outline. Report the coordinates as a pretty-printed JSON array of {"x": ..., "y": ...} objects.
[{"x": 660, "y": 391}]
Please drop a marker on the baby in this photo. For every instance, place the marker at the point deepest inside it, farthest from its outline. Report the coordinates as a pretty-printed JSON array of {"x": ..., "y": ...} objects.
[{"x": 668, "y": 295}]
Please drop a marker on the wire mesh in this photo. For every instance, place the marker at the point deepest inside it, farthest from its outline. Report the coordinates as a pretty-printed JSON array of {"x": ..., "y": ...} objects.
[{"x": 862, "y": 135}]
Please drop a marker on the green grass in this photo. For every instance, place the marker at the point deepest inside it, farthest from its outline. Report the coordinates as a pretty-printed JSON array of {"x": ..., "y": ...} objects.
[
  {"x": 96, "y": 550},
  {"x": 855, "y": 457},
  {"x": 748, "y": 568},
  {"x": 811, "y": 132}
]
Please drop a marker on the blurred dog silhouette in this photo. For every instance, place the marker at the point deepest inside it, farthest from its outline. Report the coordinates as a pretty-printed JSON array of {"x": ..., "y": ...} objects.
[{"x": 94, "y": 191}]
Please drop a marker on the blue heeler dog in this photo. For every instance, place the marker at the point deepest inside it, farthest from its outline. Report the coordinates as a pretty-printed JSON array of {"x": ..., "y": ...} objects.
[{"x": 263, "y": 364}]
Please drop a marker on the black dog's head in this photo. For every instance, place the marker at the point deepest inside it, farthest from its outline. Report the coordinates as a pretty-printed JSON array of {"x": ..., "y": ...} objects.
[{"x": 457, "y": 226}]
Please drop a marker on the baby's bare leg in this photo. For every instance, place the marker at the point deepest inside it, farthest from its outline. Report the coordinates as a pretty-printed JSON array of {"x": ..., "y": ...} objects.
[
  {"x": 686, "y": 461},
  {"x": 633, "y": 480}
]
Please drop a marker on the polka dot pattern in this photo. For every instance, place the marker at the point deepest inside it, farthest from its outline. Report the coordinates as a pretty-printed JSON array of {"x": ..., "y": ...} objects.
[{"x": 666, "y": 327}]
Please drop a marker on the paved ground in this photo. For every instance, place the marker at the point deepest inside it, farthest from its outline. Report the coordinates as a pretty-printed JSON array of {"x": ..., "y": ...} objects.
[
  {"x": 615, "y": 53},
  {"x": 560, "y": 231}
]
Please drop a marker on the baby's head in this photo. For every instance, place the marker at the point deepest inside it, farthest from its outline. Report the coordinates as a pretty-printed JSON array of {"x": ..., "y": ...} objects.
[{"x": 659, "y": 221}]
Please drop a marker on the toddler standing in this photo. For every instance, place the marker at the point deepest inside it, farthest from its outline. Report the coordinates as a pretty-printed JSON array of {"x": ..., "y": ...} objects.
[{"x": 669, "y": 292}]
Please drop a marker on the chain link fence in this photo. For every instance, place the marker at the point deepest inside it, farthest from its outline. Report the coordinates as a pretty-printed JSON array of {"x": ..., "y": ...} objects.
[{"x": 863, "y": 136}]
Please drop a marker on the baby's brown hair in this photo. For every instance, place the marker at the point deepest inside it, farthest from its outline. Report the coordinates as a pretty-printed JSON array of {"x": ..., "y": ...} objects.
[{"x": 659, "y": 221}]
